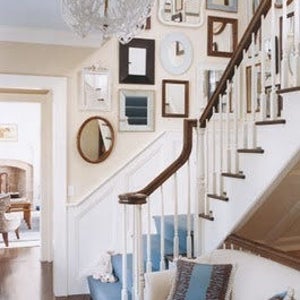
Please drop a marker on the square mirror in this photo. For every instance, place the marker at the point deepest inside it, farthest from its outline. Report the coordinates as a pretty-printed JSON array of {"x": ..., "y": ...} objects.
[
  {"x": 222, "y": 36},
  {"x": 136, "y": 62},
  {"x": 175, "y": 98},
  {"x": 136, "y": 112}
]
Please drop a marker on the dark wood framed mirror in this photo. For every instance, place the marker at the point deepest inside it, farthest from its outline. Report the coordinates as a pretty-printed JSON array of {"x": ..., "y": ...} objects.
[
  {"x": 175, "y": 98},
  {"x": 95, "y": 139},
  {"x": 136, "y": 62},
  {"x": 222, "y": 36}
]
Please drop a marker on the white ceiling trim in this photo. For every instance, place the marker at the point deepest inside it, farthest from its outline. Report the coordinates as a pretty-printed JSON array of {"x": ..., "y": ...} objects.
[{"x": 47, "y": 36}]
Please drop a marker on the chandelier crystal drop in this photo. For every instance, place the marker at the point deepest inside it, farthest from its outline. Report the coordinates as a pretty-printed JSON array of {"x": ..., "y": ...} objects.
[{"x": 121, "y": 18}]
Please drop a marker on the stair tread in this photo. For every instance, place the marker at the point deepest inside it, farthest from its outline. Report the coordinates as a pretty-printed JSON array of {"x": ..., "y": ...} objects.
[
  {"x": 258, "y": 150},
  {"x": 270, "y": 122},
  {"x": 207, "y": 217},
  {"x": 218, "y": 197},
  {"x": 234, "y": 175}
]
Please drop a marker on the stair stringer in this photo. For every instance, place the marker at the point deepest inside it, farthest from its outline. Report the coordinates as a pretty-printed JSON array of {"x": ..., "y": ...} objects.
[{"x": 263, "y": 173}]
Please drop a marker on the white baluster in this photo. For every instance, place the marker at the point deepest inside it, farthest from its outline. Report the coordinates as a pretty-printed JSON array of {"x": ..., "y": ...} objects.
[
  {"x": 124, "y": 293},
  {"x": 149, "y": 262},
  {"x": 213, "y": 152},
  {"x": 189, "y": 225},
  {"x": 244, "y": 104},
  {"x": 228, "y": 137},
  {"x": 206, "y": 200},
  {"x": 273, "y": 96},
  {"x": 263, "y": 106},
  {"x": 176, "y": 238},
  {"x": 140, "y": 261},
  {"x": 236, "y": 96},
  {"x": 162, "y": 264},
  {"x": 221, "y": 145},
  {"x": 297, "y": 42},
  {"x": 253, "y": 95},
  {"x": 285, "y": 48},
  {"x": 201, "y": 192}
]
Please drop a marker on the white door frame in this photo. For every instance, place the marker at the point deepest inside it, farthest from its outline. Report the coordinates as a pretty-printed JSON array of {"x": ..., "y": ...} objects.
[{"x": 54, "y": 246}]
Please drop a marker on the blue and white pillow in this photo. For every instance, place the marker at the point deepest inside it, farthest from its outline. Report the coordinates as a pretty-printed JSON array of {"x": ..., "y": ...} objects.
[
  {"x": 286, "y": 295},
  {"x": 194, "y": 281}
]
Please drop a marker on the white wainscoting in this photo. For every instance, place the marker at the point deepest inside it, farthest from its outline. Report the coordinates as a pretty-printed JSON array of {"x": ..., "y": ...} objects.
[{"x": 94, "y": 224}]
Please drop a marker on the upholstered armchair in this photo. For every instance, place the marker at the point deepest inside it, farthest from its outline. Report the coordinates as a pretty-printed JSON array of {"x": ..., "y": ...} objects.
[{"x": 8, "y": 222}]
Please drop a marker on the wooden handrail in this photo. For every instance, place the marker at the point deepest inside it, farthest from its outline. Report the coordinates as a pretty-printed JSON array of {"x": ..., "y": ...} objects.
[
  {"x": 236, "y": 59},
  {"x": 264, "y": 251},
  {"x": 140, "y": 197}
]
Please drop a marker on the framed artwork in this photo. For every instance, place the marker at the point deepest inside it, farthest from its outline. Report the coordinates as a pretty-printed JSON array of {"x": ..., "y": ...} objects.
[
  {"x": 189, "y": 13},
  {"x": 136, "y": 62},
  {"x": 8, "y": 133},
  {"x": 136, "y": 110},
  {"x": 175, "y": 98},
  {"x": 222, "y": 36},
  {"x": 225, "y": 5},
  {"x": 95, "y": 89}
]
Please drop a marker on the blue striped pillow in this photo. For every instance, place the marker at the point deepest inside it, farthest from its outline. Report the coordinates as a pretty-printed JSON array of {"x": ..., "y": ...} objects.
[{"x": 195, "y": 281}]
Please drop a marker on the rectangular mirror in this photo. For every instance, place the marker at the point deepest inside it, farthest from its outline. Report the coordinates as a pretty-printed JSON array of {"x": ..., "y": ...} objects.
[
  {"x": 222, "y": 36},
  {"x": 95, "y": 87},
  {"x": 175, "y": 98},
  {"x": 136, "y": 61}
]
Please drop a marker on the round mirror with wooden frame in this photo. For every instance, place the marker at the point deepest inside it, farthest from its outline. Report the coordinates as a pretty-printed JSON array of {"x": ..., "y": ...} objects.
[{"x": 95, "y": 139}]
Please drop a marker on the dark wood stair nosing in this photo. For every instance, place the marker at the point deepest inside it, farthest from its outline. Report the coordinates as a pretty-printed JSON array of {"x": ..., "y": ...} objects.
[
  {"x": 232, "y": 175},
  {"x": 218, "y": 197},
  {"x": 257, "y": 150},
  {"x": 288, "y": 90},
  {"x": 270, "y": 122},
  {"x": 206, "y": 217}
]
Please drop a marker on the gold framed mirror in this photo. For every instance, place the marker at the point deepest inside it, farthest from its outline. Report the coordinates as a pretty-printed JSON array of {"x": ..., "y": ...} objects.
[{"x": 95, "y": 139}]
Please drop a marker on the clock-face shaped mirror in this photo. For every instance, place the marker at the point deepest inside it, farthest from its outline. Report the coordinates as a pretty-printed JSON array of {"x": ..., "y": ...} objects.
[
  {"x": 176, "y": 53},
  {"x": 95, "y": 139}
]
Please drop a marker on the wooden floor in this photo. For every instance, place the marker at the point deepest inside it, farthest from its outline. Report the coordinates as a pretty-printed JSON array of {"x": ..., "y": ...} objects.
[{"x": 23, "y": 276}]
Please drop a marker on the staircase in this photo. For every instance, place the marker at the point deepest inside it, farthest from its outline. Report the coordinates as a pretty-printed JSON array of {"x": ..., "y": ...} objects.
[{"x": 247, "y": 141}]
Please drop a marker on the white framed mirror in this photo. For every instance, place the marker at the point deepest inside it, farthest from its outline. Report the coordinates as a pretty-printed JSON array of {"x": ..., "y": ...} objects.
[
  {"x": 189, "y": 13},
  {"x": 176, "y": 53},
  {"x": 95, "y": 89}
]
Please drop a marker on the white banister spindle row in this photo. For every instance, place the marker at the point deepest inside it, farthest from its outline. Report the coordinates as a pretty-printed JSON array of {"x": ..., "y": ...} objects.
[
  {"x": 213, "y": 153},
  {"x": 228, "y": 133},
  {"x": 221, "y": 191},
  {"x": 124, "y": 293},
  {"x": 207, "y": 171},
  {"x": 285, "y": 47},
  {"x": 262, "y": 98},
  {"x": 149, "y": 262},
  {"x": 139, "y": 253}
]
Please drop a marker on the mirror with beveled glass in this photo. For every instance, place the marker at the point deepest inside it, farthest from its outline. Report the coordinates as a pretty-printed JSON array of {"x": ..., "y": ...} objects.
[{"x": 95, "y": 139}]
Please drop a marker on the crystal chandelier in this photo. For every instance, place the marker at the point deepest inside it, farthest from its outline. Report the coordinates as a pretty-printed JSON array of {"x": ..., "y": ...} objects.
[{"x": 121, "y": 18}]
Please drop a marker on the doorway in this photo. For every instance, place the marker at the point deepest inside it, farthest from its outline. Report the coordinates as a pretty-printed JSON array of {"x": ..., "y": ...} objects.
[{"x": 53, "y": 171}]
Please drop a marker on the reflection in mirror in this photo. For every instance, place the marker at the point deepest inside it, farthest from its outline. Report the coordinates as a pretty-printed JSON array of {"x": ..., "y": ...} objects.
[
  {"x": 137, "y": 61},
  {"x": 181, "y": 12},
  {"x": 176, "y": 53},
  {"x": 222, "y": 36},
  {"x": 175, "y": 98},
  {"x": 95, "y": 139}
]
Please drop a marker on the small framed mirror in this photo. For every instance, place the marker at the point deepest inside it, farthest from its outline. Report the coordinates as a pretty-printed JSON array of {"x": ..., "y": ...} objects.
[
  {"x": 95, "y": 139},
  {"x": 176, "y": 53},
  {"x": 175, "y": 98},
  {"x": 189, "y": 13},
  {"x": 136, "y": 62},
  {"x": 222, "y": 36},
  {"x": 95, "y": 87}
]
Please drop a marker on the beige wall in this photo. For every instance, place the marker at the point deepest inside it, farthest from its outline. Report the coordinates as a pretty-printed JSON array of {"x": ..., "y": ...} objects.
[{"x": 68, "y": 61}]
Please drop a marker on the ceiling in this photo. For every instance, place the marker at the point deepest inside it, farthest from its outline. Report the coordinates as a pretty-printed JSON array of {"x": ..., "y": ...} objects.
[{"x": 38, "y": 21}]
